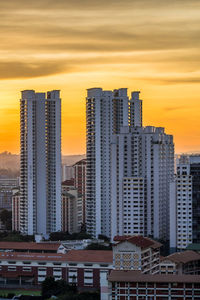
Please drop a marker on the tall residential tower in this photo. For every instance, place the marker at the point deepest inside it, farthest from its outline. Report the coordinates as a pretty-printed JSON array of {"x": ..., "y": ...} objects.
[
  {"x": 142, "y": 166},
  {"x": 106, "y": 112},
  {"x": 129, "y": 168},
  {"x": 40, "y": 168},
  {"x": 185, "y": 204}
]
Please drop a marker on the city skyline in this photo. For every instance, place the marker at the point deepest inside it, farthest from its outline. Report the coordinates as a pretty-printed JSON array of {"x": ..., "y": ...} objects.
[{"x": 151, "y": 46}]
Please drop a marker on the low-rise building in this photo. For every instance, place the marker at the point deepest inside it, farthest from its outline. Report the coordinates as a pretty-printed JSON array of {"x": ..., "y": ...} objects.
[
  {"x": 84, "y": 267},
  {"x": 135, "y": 285},
  {"x": 186, "y": 262},
  {"x": 81, "y": 267},
  {"x": 136, "y": 267},
  {"x": 136, "y": 253},
  {"x": 30, "y": 247}
]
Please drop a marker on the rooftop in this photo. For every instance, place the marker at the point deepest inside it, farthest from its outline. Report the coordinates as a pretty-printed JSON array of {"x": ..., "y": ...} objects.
[
  {"x": 29, "y": 246},
  {"x": 93, "y": 256},
  {"x": 32, "y": 256},
  {"x": 137, "y": 276},
  {"x": 90, "y": 256},
  {"x": 138, "y": 240},
  {"x": 183, "y": 257}
]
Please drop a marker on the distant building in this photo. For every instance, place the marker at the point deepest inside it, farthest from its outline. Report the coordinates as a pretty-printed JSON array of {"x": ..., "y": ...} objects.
[
  {"x": 68, "y": 185},
  {"x": 6, "y": 191},
  {"x": 67, "y": 172},
  {"x": 16, "y": 211},
  {"x": 185, "y": 204},
  {"x": 40, "y": 167},
  {"x": 72, "y": 211},
  {"x": 9, "y": 182},
  {"x": 80, "y": 181}
]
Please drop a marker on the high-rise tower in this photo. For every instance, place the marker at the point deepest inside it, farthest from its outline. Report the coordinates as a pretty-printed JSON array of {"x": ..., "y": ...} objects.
[
  {"x": 40, "y": 166},
  {"x": 185, "y": 203},
  {"x": 142, "y": 167},
  {"x": 129, "y": 168},
  {"x": 106, "y": 112}
]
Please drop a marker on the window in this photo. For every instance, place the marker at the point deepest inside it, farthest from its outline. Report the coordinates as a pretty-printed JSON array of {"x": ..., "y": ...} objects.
[
  {"x": 11, "y": 268},
  {"x": 27, "y": 269}
]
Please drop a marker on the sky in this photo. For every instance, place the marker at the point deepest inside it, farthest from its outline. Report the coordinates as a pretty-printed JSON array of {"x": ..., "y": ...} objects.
[{"x": 147, "y": 45}]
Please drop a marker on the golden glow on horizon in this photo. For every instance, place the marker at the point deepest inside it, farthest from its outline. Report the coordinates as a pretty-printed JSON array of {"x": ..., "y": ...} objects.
[{"x": 151, "y": 46}]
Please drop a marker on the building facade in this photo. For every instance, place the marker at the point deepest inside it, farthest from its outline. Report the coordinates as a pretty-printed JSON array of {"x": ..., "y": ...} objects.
[
  {"x": 16, "y": 211},
  {"x": 72, "y": 211},
  {"x": 142, "y": 166},
  {"x": 81, "y": 267},
  {"x": 179, "y": 263},
  {"x": 185, "y": 204},
  {"x": 80, "y": 181},
  {"x": 138, "y": 273},
  {"x": 40, "y": 162},
  {"x": 8, "y": 186},
  {"x": 106, "y": 112},
  {"x": 129, "y": 168},
  {"x": 134, "y": 285},
  {"x": 67, "y": 172},
  {"x": 136, "y": 253}
]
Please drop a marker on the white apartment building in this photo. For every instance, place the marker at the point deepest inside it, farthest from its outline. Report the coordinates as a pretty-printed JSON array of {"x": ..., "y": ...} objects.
[
  {"x": 106, "y": 112},
  {"x": 142, "y": 166},
  {"x": 181, "y": 218},
  {"x": 40, "y": 165}
]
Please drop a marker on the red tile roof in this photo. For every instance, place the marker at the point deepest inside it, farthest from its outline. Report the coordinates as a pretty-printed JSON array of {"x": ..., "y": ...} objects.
[
  {"x": 29, "y": 246},
  {"x": 183, "y": 257},
  {"x": 19, "y": 256},
  {"x": 137, "y": 276},
  {"x": 90, "y": 256},
  {"x": 138, "y": 240},
  {"x": 68, "y": 182},
  {"x": 81, "y": 162},
  {"x": 98, "y": 256}
]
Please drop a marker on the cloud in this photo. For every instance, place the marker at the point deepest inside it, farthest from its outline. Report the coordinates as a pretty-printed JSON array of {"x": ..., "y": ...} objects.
[
  {"x": 95, "y": 4},
  {"x": 88, "y": 28},
  {"x": 14, "y": 69},
  {"x": 170, "y": 81},
  {"x": 173, "y": 108}
]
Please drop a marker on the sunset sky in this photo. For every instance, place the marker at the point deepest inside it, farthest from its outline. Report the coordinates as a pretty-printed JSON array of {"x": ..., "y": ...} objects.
[{"x": 147, "y": 45}]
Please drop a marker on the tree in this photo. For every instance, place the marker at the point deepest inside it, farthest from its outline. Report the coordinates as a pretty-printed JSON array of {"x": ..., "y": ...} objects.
[
  {"x": 103, "y": 237},
  {"x": 6, "y": 219},
  {"x": 48, "y": 287},
  {"x": 51, "y": 287},
  {"x": 63, "y": 236},
  {"x": 96, "y": 246}
]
